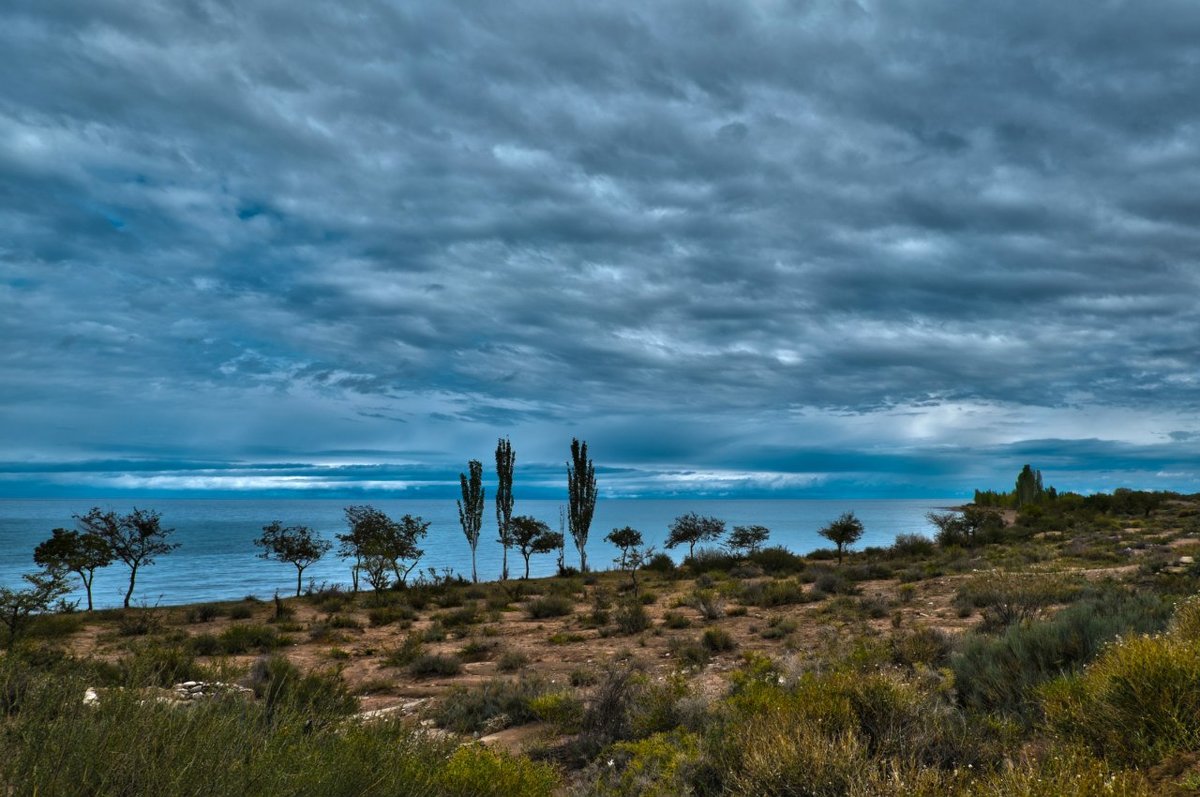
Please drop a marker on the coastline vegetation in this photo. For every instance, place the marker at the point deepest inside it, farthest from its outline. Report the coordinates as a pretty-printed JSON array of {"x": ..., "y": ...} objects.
[{"x": 1042, "y": 643}]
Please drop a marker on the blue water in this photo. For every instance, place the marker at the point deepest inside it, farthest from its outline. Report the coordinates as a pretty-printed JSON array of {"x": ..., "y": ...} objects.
[{"x": 217, "y": 559}]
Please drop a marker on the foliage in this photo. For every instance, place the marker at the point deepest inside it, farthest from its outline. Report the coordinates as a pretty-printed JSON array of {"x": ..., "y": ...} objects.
[
  {"x": 843, "y": 532},
  {"x": 631, "y": 617},
  {"x": 381, "y": 548},
  {"x": 470, "y": 508},
  {"x": 136, "y": 539},
  {"x": 19, "y": 606},
  {"x": 531, "y": 536},
  {"x": 549, "y": 606},
  {"x": 299, "y": 546},
  {"x": 282, "y": 744},
  {"x": 471, "y": 709},
  {"x": 1136, "y": 704},
  {"x": 968, "y": 528},
  {"x": 581, "y": 498},
  {"x": 747, "y": 540},
  {"x": 692, "y": 528},
  {"x": 75, "y": 552},
  {"x": 432, "y": 665}
]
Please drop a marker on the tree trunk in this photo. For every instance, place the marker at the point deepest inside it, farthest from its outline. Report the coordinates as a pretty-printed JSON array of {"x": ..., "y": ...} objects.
[
  {"x": 526, "y": 567},
  {"x": 299, "y": 575},
  {"x": 474, "y": 574},
  {"x": 87, "y": 586},
  {"x": 132, "y": 578},
  {"x": 504, "y": 565}
]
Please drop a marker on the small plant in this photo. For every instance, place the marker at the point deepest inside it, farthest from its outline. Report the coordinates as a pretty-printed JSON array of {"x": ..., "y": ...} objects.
[
  {"x": 412, "y": 648},
  {"x": 710, "y": 605},
  {"x": 511, "y": 661},
  {"x": 492, "y": 705},
  {"x": 630, "y": 617},
  {"x": 429, "y": 665},
  {"x": 549, "y": 606},
  {"x": 676, "y": 620},
  {"x": 718, "y": 640}
]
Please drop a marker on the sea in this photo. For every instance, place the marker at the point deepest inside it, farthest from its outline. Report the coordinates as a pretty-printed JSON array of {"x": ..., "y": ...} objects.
[{"x": 217, "y": 560}]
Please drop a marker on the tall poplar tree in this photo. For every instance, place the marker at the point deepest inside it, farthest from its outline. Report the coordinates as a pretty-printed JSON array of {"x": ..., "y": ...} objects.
[
  {"x": 505, "y": 459},
  {"x": 581, "y": 498},
  {"x": 470, "y": 508}
]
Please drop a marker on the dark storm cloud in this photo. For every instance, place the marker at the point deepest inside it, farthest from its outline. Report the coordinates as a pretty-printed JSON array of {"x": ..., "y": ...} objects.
[{"x": 766, "y": 242}]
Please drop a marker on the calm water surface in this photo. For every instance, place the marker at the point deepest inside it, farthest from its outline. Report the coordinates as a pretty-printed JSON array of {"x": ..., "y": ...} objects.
[{"x": 217, "y": 558}]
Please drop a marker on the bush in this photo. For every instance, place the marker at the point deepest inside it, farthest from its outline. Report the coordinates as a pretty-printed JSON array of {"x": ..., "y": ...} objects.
[
  {"x": 430, "y": 665},
  {"x": 1008, "y": 598},
  {"x": 1000, "y": 674},
  {"x": 778, "y": 560},
  {"x": 500, "y": 701},
  {"x": 913, "y": 545},
  {"x": 710, "y": 605},
  {"x": 386, "y": 615},
  {"x": 1136, "y": 704},
  {"x": 409, "y": 651},
  {"x": 561, "y": 709},
  {"x": 511, "y": 661},
  {"x": 130, "y": 745},
  {"x": 630, "y": 617},
  {"x": 924, "y": 646},
  {"x": 240, "y": 611},
  {"x": 204, "y": 613},
  {"x": 832, "y": 583},
  {"x": 774, "y": 593},
  {"x": 549, "y": 606},
  {"x": 689, "y": 653},
  {"x": 706, "y": 560},
  {"x": 159, "y": 665},
  {"x": 244, "y": 638},
  {"x": 675, "y": 620},
  {"x": 318, "y": 695},
  {"x": 660, "y": 563},
  {"x": 718, "y": 640}
]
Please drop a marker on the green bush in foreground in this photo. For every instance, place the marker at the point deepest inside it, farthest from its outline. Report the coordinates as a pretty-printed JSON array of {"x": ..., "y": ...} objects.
[{"x": 54, "y": 744}]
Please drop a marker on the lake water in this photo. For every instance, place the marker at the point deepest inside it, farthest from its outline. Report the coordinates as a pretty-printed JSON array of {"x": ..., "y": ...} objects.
[{"x": 217, "y": 559}]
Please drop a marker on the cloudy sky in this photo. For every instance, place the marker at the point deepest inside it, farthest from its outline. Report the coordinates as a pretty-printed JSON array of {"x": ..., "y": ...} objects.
[{"x": 742, "y": 248}]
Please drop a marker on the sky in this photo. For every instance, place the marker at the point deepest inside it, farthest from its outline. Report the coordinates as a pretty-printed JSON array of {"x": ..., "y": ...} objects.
[{"x": 753, "y": 249}]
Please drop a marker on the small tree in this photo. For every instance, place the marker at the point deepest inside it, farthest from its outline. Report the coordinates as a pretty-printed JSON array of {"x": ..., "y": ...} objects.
[
  {"x": 378, "y": 544},
  {"x": 581, "y": 498},
  {"x": 747, "y": 540},
  {"x": 505, "y": 459},
  {"x": 136, "y": 539},
  {"x": 71, "y": 551},
  {"x": 633, "y": 554},
  {"x": 843, "y": 532},
  {"x": 531, "y": 536},
  {"x": 18, "y": 606},
  {"x": 470, "y": 508},
  {"x": 691, "y": 528},
  {"x": 297, "y": 545},
  {"x": 627, "y": 539}
]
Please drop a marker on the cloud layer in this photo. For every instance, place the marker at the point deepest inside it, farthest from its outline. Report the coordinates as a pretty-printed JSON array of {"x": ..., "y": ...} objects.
[{"x": 756, "y": 247}]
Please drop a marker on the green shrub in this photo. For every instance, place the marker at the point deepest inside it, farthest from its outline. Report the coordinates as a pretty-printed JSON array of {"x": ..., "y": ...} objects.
[
  {"x": 1007, "y": 598},
  {"x": 549, "y": 606},
  {"x": 477, "y": 650},
  {"x": 386, "y": 615},
  {"x": 322, "y": 696},
  {"x": 159, "y": 665},
  {"x": 431, "y": 665},
  {"x": 778, "y": 560},
  {"x": 913, "y": 545},
  {"x": 241, "y": 611},
  {"x": 563, "y": 710},
  {"x": 412, "y": 648},
  {"x": 204, "y": 613},
  {"x": 833, "y": 583},
  {"x": 718, "y": 640},
  {"x": 710, "y": 604},
  {"x": 689, "y": 653},
  {"x": 511, "y": 661},
  {"x": 675, "y": 620},
  {"x": 1136, "y": 704},
  {"x": 707, "y": 560},
  {"x": 631, "y": 617},
  {"x": 478, "y": 771},
  {"x": 205, "y": 645},
  {"x": 500, "y": 701},
  {"x": 244, "y": 638},
  {"x": 129, "y": 745},
  {"x": 925, "y": 646},
  {"x": 660, "y": 563},
  {"x": 1000, "y": 673}
]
